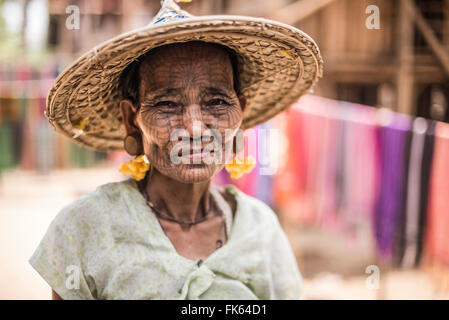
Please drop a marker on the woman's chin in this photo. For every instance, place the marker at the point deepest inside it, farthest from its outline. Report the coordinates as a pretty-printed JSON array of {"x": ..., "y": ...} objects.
[{"x": 193, "y": 173}]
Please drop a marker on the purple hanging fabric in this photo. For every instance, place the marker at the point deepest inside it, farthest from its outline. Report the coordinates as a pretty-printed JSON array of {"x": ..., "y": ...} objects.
[{"x": 394, "y": 140}]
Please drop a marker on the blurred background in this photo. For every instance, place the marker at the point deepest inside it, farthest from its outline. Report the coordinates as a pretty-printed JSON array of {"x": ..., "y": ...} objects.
[{"x": 362, "y": 186}]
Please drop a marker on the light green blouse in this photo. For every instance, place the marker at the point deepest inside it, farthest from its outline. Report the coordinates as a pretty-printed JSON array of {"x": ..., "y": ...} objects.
[{"x": 108, "y": 244}]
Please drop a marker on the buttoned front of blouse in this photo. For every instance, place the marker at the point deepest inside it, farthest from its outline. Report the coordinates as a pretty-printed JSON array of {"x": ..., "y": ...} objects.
[{"x": 117, "y": 245}]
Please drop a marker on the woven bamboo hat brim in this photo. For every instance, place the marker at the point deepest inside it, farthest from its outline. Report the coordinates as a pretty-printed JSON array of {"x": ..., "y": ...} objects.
[{"x": 277, "y": 64}]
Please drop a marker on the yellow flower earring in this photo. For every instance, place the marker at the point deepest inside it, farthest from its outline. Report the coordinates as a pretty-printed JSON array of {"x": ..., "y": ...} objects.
[
  {"x": 240, "y": 166},
  {"x": 138, "y": 167}
]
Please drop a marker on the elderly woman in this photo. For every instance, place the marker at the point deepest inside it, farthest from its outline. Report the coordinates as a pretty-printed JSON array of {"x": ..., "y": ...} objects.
[{"x": 167, "y": 232}]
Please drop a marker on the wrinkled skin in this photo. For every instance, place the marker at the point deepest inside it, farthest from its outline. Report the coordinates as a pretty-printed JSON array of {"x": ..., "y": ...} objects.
[{"x": 180, "y": 85}]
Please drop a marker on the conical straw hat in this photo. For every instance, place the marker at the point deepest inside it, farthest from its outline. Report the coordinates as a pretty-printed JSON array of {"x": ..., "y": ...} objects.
[{"x": 277, "y": 64}]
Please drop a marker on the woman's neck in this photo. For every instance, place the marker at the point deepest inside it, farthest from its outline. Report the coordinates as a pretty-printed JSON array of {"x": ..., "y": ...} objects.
[{"x": 178, "y": 200}]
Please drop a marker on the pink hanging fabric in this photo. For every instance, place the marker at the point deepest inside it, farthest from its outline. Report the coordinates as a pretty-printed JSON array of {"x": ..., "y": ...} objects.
[{"x": 437, "y": 239}]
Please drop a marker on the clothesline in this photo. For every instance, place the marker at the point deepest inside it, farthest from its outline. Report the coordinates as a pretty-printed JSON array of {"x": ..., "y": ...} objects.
[{"x": 360, "y": 169}]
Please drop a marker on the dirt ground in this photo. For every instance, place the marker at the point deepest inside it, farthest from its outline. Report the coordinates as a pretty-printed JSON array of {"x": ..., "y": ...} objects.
[{"x": 29, "y": 201}]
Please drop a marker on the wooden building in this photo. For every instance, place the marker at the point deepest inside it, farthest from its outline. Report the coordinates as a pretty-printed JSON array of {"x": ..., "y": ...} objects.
[{"x": 403, "y": 65}]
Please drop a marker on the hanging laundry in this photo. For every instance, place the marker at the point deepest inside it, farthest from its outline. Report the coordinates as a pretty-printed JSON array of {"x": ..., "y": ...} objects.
[
  {"x": 290, "y": 182},
  {"x": 360, "y": 170},
  {"x": 394, "y": 143},
  {"x": 412, "y": 223},
  {"x": 437, "y": 233},
  {"x": 426, "y": 167}
]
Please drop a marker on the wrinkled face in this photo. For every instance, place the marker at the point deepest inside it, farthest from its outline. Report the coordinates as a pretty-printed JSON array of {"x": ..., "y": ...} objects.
[{"x": 187, "y": 105}]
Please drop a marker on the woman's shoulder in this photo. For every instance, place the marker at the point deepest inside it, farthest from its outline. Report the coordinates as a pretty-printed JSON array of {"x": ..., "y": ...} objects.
[{"x": 92, "y": 206}]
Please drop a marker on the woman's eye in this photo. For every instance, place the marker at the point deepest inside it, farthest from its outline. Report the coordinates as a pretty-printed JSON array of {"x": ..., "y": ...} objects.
[
  {"x": 217, "y": 102},
  {"x": 170, "y": 104}
]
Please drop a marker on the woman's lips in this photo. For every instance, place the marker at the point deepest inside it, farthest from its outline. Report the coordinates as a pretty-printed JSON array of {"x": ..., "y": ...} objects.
[{"x": 198, "y": 156}]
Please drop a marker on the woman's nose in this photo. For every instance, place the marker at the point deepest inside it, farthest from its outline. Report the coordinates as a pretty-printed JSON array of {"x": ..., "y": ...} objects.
[{"x": 193, "y": 120}]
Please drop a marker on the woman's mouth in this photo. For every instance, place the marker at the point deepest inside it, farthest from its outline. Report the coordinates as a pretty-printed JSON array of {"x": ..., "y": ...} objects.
[{"x": 198, "y": 156}]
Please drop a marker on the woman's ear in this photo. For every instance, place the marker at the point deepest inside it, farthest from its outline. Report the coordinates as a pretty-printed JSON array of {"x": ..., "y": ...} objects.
[
  {"x": 133, "y": 139},
  {"x": 242, "y": 100},
  {"x": 129, "y": 115}
]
